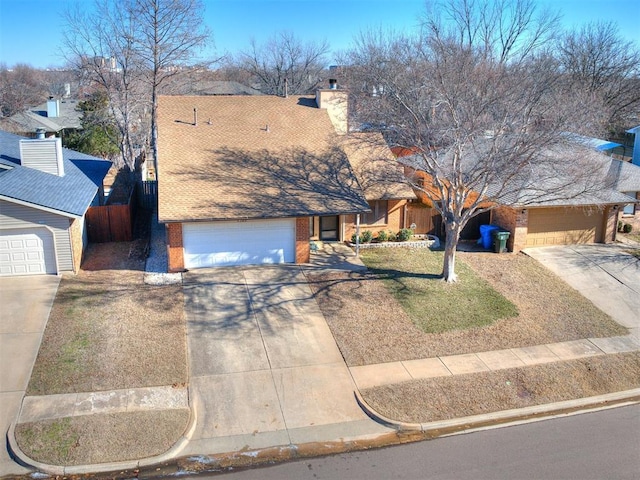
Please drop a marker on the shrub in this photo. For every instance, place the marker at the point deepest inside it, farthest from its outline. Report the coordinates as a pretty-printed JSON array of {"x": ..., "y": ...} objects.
[
  {"x": 354, "y": 239},
  {"x": 404, "y": 234},
  {"x": 620, "y": 225},
  {"x": 366, "y": 237},
  {"x": 382, "y": 236},
  {"x": 627, "y": 228},
  {"x": 392, "y": 237}
]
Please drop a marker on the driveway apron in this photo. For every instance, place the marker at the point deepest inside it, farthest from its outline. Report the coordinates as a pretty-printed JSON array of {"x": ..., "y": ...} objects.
[
  {"x": 265, "y": 369},
  {"x": 26, "y": 303},
  {"x": 605, "y": 274}
]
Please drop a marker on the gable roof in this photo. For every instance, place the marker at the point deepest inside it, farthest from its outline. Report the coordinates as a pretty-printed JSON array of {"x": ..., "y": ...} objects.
[
  {"x": 250, "y": 157},
  {"x": 69, "y": 195},
  {"x": 379, "y": 173}
]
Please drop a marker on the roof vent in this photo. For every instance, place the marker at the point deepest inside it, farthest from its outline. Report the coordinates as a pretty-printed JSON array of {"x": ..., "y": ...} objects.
[
  {"x": 40, "y": 133},
  {"x": 333, "y": 84},
  {"x": 44, "y": 154}
]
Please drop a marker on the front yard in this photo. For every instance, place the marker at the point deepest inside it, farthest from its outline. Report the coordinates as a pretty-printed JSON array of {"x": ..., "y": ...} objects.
[
  {"x": 107, "y": 330},
  {"x": 501, "y": 301},
  {"x": 400, "y": 310}
]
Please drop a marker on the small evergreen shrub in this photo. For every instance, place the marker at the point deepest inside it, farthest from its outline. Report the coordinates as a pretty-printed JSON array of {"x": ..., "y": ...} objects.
[
  {"x": 405, "y": 234},
  {"x": 627, "y": 228},
  {"x": 392, "y": 237},
  {"x": 354, "y": 239},
  {"x": 382, "y": 236},
  {"x": 620, "y": 225},
  {"x": 366, "y": 237}
]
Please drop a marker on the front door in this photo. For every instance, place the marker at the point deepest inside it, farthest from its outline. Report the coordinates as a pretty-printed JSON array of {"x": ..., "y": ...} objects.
[{"x": 329, "y": 228}]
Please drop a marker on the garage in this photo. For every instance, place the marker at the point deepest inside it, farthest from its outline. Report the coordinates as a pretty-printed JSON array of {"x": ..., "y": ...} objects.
[
  {"x": 564, "y": 226},
  {"x": 227, "y": 243},
  {"x": 27, "y": 252}
]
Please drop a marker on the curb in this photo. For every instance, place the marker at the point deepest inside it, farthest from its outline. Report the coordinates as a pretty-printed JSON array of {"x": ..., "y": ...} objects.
[
  {"x": 505, "y": 417},
  {"x": 23, "y": 459}
]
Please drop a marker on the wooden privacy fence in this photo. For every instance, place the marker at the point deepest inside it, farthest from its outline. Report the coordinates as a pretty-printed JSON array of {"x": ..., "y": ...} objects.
[
  {"x": 110, "y": 223},
  {"x": 147, "y": 193}
]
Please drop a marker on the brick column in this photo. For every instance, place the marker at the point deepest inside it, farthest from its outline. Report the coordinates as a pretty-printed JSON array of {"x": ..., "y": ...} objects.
[
  {"x": 611, "y": 214},
  {"x": 175, "y": 251},
  {"x": 303, "y": 252}
]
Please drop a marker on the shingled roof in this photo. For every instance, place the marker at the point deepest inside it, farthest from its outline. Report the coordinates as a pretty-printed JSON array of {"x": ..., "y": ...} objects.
[
  {"x": 249, "y": 157},
  {"x": 69, "y": 195}
]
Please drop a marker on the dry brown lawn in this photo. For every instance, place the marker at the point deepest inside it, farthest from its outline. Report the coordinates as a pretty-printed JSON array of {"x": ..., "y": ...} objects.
[
  {"x": 108, "y": 330},
  {"x": 458, "y": 396},
  {"x": 370, "y": 326}
]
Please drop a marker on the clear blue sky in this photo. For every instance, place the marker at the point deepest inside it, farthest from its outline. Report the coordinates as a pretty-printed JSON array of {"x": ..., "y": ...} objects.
[{"x": 30, "y": 30}]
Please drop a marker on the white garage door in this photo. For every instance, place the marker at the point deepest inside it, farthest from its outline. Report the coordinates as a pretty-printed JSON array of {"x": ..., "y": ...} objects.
[
  {"x": 26, "y": 252},
  {"x": 253, "y": 242}
]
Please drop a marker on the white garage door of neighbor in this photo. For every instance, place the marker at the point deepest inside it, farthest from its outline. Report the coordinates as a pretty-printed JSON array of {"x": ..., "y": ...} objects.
[
  {"x": 26, "y": 252},
  {"x": 253, "y": 242}
]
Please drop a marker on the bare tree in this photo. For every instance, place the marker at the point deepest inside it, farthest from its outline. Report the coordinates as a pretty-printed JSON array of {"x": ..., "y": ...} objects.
[
  {"x": 20, "y": 87},
  {"x": 169, "y": 37},
  {"x": 477, "y": 99},
  {"x": 284, "y": 58},
  {"x": 130, "y": 48},
  {"x": 597, "y": 59},
  {"x": 100, "y": 45}
]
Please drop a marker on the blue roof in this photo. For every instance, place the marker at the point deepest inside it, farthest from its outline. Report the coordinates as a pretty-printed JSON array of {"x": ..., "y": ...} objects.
[
  {"x": 70, "y": 194},
  {"x": 595, "y": 143}
]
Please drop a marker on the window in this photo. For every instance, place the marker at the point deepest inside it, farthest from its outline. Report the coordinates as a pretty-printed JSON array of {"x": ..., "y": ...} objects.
[
  {"x": 378, "y": 213},
  {"x": 630, "y": 209}
]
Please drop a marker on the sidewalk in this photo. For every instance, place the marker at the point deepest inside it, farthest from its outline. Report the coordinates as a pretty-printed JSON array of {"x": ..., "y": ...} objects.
[{"x": 295, "y": 401}]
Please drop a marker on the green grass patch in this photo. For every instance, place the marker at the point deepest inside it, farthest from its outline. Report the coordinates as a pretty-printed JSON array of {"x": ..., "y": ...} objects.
[
  {"x": 413, "y": 277},
  {"x": 50, "y": 440}
]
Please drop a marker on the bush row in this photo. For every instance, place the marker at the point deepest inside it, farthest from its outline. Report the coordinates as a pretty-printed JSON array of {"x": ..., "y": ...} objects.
[{"x": 403, "y": 235}]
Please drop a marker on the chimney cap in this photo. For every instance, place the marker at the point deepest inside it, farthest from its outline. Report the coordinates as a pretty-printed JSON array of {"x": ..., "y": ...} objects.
[{"x": 333, "y": 84}]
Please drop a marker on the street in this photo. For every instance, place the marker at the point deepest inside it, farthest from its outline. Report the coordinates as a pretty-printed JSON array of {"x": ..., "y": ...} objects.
[{"x": 599, "y": 445}]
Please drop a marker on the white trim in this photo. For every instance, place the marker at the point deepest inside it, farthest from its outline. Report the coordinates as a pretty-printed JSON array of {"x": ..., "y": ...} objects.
[{"x": 39, "y": 207}]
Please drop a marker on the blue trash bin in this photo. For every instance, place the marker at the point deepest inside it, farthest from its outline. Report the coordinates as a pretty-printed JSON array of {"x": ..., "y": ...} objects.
[{"x": 486, "y": 235}]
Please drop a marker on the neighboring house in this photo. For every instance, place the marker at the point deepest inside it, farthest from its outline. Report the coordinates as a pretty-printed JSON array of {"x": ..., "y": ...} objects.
[
  {"x": 54, "y": 118},
  {"x": 247, "y": 179},
  {"x": 535, "y": 218},
  {"x": 45, "y": 191}
]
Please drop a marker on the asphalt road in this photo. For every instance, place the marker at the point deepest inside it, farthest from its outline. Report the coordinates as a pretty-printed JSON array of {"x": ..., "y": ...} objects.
[{"x": 599, "y": 445}]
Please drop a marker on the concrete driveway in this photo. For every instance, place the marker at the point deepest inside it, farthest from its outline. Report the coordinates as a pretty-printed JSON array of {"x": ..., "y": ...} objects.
[
  {"x": 26, "y": 303},
  {"x": 605, "y": 274},
  {"x": 265, "y": 369}
]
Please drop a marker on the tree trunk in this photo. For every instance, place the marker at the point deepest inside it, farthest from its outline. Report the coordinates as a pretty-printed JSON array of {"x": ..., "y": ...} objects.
[{"x": 451, "y": 243}]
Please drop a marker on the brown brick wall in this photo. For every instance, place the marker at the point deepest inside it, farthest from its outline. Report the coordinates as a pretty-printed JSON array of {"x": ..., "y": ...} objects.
[
  {"x": 175, "y": 251},
  {"x": 611, "y": 223},
  {"x": 633, "y": 220},
  {"x": 302, "y": 240},
  {"x": 77, "y": 246},
  {"x": 395, "y": 221},
  {"x": 514, "y": 220}
]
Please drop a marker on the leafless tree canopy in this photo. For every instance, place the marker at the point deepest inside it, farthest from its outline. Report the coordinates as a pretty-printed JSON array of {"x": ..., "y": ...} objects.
[
  {"x": 20, "y": 87},
  {"x": 479, "y": 99},
  {"x": 285, "y": 58},
  {"x": 130, "y": 49},
  {"x": 597, "y": 60}
]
